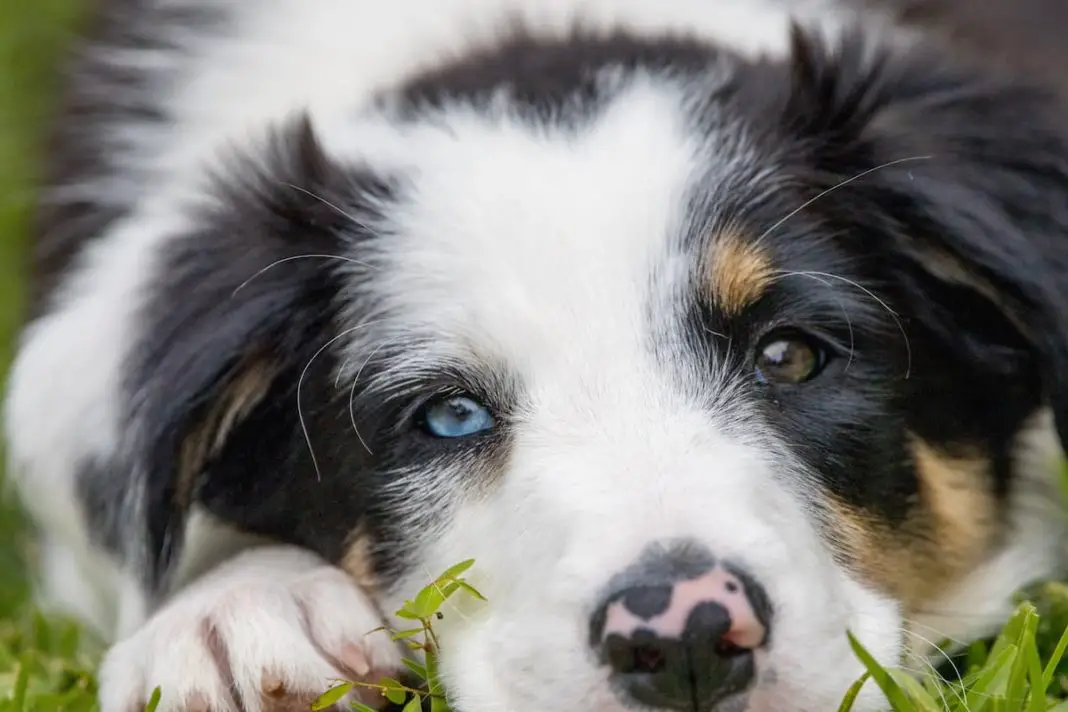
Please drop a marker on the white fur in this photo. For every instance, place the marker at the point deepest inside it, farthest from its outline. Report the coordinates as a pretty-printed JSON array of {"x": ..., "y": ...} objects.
[{"x": 276, "y": 610}]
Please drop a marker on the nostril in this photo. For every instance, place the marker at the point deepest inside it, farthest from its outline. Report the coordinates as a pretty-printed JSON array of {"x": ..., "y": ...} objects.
[
  {"x": 649, "y": 658},
  {"x": 724, "y": 648},
  {"x": 641, "y": 653}
]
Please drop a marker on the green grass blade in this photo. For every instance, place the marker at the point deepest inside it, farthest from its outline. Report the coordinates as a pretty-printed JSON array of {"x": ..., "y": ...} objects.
[
  {"x": 1037, "y": 701},
  {"x": 1016, "y": 688},
  {"x": 894, "y": 694},
  {"x": 153, "y": 701},
  {"x": 1055, "y": 660},
  {"x": 990, "y": 680},
  {"x": 22, "y": 680},
  {"x": 851, "y": 694},
  {"x": 921, "y": 699}
]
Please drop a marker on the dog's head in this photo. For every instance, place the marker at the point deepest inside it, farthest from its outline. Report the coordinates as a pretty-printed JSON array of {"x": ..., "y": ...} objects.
[{"x": 705, "y": 361}]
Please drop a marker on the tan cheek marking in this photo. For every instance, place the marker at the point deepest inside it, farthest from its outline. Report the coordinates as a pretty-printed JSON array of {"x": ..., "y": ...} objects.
[
  {"x": 961, "y": 503},
  {"x": 358, "y": 562},
  {"x": 737, "y": 272},
  {"x": 951, "y": 528},
  {"x": 232, "y": 406}
]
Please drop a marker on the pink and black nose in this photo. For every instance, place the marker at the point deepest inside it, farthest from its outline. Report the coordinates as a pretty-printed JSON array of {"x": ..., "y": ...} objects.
[{"x": 679, "y": 630}]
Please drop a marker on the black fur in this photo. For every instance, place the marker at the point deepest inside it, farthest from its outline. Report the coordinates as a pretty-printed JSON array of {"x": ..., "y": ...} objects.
[
  {"x": 556, "y": 80},
  {"x": 990, "y": 200},
  {"x": 228, "y": 303}
]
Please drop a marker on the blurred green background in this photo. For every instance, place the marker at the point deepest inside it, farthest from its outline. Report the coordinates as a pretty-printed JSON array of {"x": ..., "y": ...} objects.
[{"x": 32, "y": 36}]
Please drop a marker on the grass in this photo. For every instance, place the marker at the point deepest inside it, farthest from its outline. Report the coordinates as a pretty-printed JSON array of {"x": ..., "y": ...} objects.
[{"x": 46, "y": 665}]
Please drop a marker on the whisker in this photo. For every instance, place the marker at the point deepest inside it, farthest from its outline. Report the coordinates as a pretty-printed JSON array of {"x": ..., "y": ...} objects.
[
  {"x": 721, "y": 376},
  {"x": 937, "y": 632},
  {"x": 955, "y": 689},
  {"x": 714, "y": 333},
  {"x": 300, "y": 385},
  {"x": 348, "y": 216},
  {"x": 340, "y": 372},
  {"x": 929, "y": 664},
  {"x": 274, "y": 264},
  {"x": 845, "y": 314},
  {"x": 341, "y": 258},
  {"x": 923, "y": 672},
  {"x": 776, "y": 225},
  {"x": 352, "y": 395},
  {"x": 884, "y": 305}
]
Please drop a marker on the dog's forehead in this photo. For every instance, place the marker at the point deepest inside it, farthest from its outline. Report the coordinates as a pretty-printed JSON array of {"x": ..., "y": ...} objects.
[{"x": 523, "y": 239}]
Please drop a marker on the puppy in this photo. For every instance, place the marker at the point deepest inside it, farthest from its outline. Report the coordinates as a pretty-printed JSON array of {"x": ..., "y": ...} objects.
[{"x": 712, "y": 330}]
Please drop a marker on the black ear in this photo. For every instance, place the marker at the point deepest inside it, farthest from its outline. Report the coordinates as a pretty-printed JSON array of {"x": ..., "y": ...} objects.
[
  {"x": 244, "y": 304},
  {"x": 968, "y": 175}
]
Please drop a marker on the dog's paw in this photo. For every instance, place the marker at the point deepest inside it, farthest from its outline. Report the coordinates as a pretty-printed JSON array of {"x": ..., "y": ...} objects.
[{"x": 269, "y": 631}]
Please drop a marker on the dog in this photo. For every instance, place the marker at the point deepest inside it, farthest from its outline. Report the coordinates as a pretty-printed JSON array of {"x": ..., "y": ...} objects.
[{"x": 713, "y": 331}]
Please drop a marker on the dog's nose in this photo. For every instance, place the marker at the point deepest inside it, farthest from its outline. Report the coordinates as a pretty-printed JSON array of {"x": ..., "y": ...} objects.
[{"x": 687, "y": 643}]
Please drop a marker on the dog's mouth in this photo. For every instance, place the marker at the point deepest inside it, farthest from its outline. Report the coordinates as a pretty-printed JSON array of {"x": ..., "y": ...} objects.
[
  {"x": 733, "y": 703},
  {"x": 949, "y": 671}
]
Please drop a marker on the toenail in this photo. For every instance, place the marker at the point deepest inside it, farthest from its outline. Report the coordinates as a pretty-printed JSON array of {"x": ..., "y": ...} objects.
[
  {"x": 355, "y": 659},
  {"x": 273, "y": 686},
  {"x": 197, "y": 702}
]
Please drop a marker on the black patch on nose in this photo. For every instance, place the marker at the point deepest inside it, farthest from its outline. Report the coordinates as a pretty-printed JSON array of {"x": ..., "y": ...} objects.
[
  {"x": 709, "y": 620},
  {"x": 647, "y": 601},
  {"x": 660, "y": 566}
]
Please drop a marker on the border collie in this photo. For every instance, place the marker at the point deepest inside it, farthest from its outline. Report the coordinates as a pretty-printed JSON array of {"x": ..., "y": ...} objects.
[{"x": 712, "y": 330}]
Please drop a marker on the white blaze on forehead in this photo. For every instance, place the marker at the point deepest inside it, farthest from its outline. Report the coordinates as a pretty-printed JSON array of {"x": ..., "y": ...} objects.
[{"x": 537, "y": 245}]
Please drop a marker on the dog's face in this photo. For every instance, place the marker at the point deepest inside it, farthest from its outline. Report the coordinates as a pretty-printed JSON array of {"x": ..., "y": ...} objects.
[{"x": 705, "y": 363}]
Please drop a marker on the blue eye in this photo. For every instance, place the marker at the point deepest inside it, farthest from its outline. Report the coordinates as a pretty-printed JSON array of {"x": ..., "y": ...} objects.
[{"x": 455, "y": 417}]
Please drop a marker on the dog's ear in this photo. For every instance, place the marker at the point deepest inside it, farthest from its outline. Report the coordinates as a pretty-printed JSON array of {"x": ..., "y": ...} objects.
[
  {"x": 237, "y": 327},
  {"x": 968, "y": 174}
]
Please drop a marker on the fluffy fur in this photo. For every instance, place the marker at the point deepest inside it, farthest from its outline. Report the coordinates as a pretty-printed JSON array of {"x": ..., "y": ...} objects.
[{"x": 275, "y": 234}]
